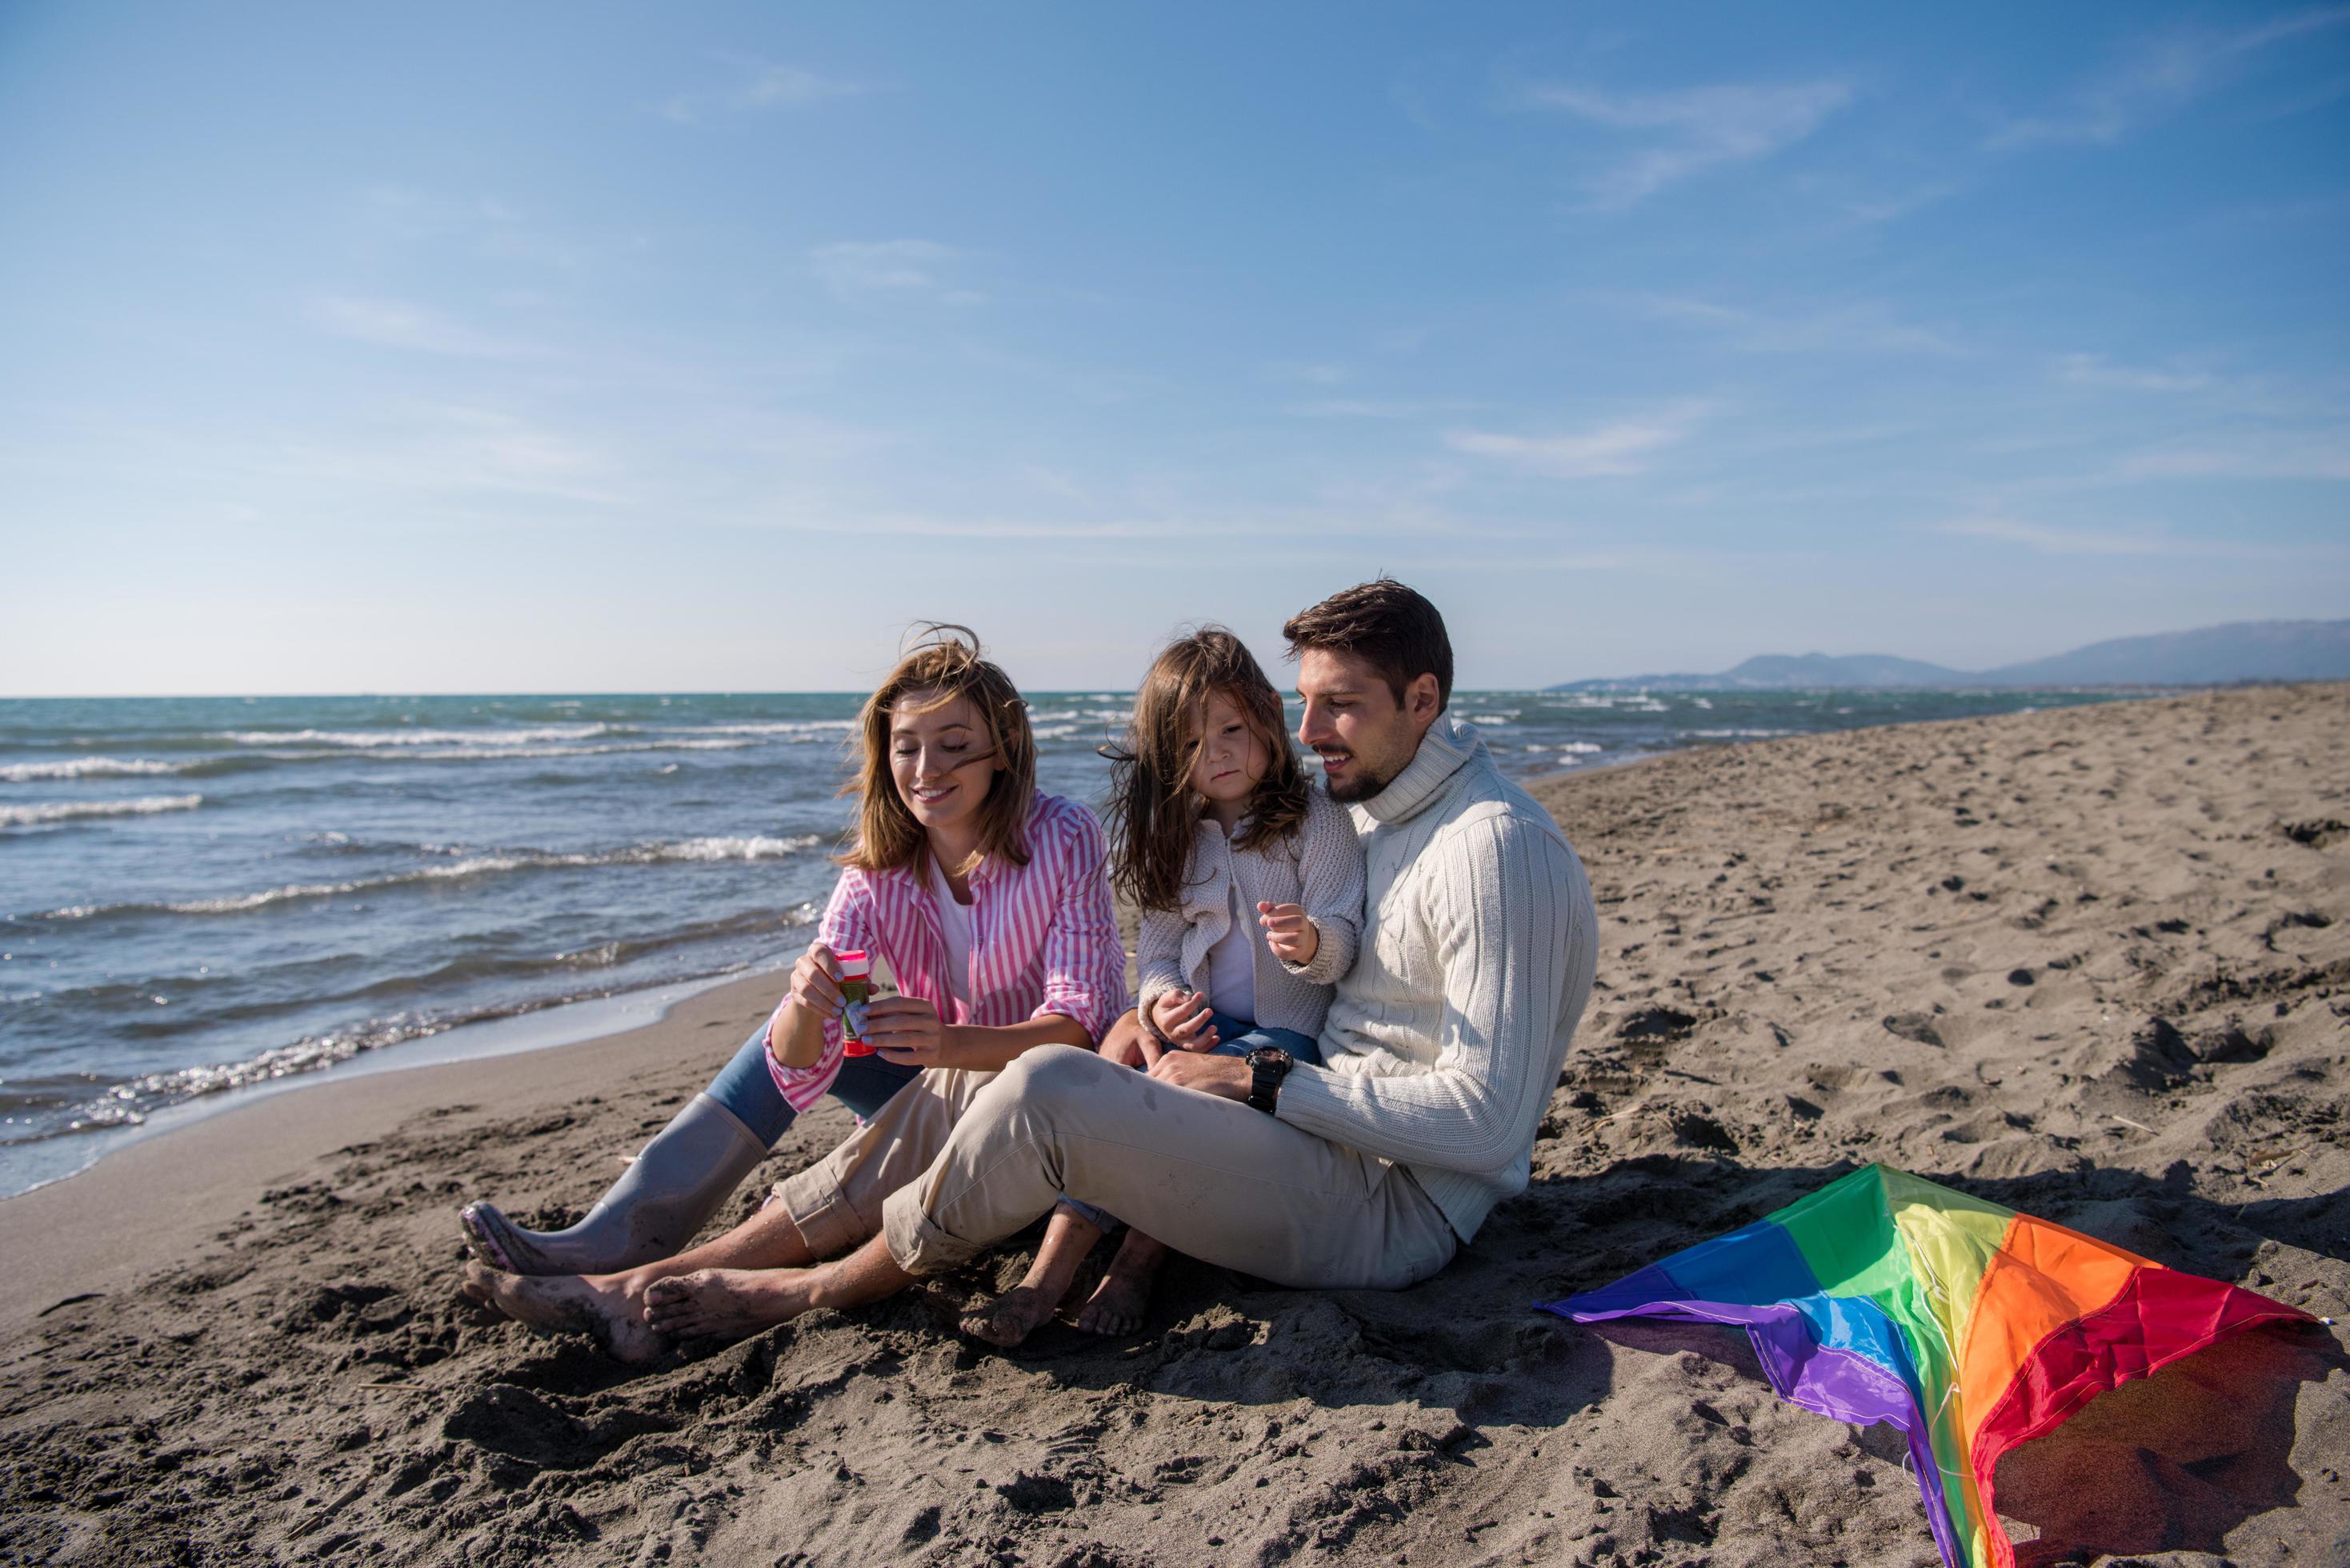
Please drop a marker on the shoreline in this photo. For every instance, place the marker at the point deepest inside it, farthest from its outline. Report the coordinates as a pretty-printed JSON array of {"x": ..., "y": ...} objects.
[
  {"x": 141, "y": 1204},
  {"x": 553, "y": 1027}
]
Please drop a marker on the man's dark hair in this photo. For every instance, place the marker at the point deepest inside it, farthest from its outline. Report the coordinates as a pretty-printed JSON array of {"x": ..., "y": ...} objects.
[{"x": 1385, "y": 625}]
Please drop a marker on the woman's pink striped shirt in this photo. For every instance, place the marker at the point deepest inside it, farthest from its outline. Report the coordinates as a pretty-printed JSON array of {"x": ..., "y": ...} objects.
[{"x": 1044, "y": 939}]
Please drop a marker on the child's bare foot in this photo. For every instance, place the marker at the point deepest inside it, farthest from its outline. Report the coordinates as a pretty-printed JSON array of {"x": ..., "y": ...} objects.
[
  {"x": 1012, "y": 1316},
  {"x": 1118, "y": 1303},
  {"x": 1028, "y": 1305},
  {"x": 594, "y": 1305},
  {"x": 726, "y": 1304}
]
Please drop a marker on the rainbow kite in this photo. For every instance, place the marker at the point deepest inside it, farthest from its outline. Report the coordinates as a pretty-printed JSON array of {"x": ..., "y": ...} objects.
[{"x": 1885, "y": 1297}]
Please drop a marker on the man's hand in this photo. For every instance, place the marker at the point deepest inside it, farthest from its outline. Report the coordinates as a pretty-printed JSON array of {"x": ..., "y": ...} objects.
[
  {"x": 1289, "y": 932},
  {"x": 1184, "y": 1020},
  {"x": 1226, "y": 1076}
]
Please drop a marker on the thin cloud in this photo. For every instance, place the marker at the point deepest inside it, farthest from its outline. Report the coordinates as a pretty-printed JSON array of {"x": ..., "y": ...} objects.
[
  {"x": 1694, "y": 130},
  {"x": 1862, "y": 326},
  {"x": 1377, "y": 408},
  {"x": 1609, "y": 452},
  {"x": 1311, "y": 373},
  {"x": 399, "y": 324},
  {"x": 2094, "y": 370},
  {"x": 489, "y": 448},
  {"x": 2286, "y": 455},
  {"x": 852, "y": 267},
  {"x": 2096, "y": 543},
  {"x": 2159, "y": 78},
  {"x": 2055, "y": 541},
  {"x": 763, "y": 85}
]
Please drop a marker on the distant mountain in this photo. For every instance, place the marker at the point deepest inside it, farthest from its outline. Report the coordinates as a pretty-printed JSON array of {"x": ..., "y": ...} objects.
[
  {"x": 2245, "y": 650},
  {"x": 2248, "y": 651}
]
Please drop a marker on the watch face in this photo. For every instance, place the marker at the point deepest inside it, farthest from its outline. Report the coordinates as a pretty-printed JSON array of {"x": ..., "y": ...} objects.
[{"x": 1272, "y": 1056}]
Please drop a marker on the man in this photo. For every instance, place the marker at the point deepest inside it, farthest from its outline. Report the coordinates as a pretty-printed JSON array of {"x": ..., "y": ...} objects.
[{"x": 1441, "y": 1050}]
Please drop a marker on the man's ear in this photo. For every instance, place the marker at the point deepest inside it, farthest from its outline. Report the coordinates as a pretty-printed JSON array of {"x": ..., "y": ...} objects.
[{"x": 1423, "y": 698}]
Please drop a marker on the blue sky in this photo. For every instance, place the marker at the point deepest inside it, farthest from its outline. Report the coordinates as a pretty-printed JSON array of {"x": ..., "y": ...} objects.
[{"x": 702, "y": 348}]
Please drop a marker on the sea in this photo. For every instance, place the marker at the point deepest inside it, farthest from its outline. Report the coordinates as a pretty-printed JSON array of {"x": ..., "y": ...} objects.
[{"x": 201, "y": 897}]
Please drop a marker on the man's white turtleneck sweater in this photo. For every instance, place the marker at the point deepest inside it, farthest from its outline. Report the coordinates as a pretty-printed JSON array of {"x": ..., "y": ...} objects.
[{"x": 1445, "y": 1040}]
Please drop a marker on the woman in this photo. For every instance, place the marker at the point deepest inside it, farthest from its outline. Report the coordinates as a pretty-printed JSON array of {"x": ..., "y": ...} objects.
[{"x": 990, "y": 901}]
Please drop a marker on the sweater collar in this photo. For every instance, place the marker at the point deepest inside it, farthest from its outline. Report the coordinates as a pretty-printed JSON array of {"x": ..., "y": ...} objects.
[{"x": 1450, "y": 745}]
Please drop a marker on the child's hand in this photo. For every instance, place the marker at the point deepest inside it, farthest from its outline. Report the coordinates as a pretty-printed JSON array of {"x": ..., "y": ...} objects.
[
  {"x": 1289, "y": 933},
  {"x": 1183, "y": 1020}
]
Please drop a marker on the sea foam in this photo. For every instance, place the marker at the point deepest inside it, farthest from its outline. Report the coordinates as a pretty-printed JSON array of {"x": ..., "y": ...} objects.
[
  {"x": 72, "y": 811},
  {"x": 85, "y": 768},
  {"x": 372, "y": 739},
  {"x": 747, "y": 847}
]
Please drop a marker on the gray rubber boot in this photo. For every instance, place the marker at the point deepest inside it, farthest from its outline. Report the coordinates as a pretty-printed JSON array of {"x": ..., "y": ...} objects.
[{"x": 666, "y": 1194}]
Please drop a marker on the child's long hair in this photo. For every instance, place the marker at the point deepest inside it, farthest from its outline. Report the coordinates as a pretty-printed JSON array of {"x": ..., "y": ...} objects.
[
  {"x": 1154, "y": 814},
  {"x": 946, "y": 664}
]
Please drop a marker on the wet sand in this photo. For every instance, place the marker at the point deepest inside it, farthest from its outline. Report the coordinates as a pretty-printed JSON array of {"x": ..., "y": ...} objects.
[{"x": 2091, "y": 964}]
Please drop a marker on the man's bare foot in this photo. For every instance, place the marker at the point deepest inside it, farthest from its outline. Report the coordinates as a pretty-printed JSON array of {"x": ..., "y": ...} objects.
[
  {"x": 1012, "y": 1316},
  {"x": 1117, "y": 1304},
  {"x": 726, "y": 1304},
  {"x": 594, "y": 1305}
]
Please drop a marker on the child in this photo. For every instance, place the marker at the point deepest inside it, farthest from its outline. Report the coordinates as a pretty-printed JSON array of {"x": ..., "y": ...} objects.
[{"x": 1249, "y": 880}]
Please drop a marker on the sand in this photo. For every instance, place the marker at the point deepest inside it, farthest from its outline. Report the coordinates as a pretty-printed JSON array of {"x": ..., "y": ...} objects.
[{"x": 2092, "y": 963}]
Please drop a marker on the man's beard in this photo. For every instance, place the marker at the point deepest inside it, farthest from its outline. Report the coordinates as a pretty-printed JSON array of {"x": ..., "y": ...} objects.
[{"x": 1362, "y": 785}]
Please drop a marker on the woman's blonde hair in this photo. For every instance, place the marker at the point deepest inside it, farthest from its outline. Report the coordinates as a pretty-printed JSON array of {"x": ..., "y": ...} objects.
[
  {"x": 1154, "y": 812},
  {"x": 944, "y": 664}
]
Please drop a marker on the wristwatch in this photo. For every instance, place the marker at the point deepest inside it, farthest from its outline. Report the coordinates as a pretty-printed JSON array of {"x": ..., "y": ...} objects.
[{"x": 1268, "y": 1065}]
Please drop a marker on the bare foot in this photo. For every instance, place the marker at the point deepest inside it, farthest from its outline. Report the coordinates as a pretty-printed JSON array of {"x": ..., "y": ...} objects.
[
  {"x": 1012, "y": 1316},
  {"x": 1117, "y": 1304},
  {"x": 726, "y": 1304},
  {"x": 1026, "y": 1306},
  {"x": 594, "y": 1305}
]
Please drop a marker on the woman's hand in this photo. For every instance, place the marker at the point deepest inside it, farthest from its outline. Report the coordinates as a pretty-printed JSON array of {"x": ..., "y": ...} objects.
[
  {"x": 1289, "y": 932},
  {"x": 815, "y": 981},
  {"x": 795, "y": 1034},
  {"x": 1184, "y": 1020},
  {"x": 908, "y": 1031},
  {"x": 1130, "y": 1044}
]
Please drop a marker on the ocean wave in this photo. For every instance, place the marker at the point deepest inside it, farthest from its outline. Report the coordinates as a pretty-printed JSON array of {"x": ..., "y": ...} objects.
[
  {"x": 370, "y": 740},
  {"x": 772, "y": 727},
  {"x": 1571, "y": 748},
  {"x": 1506, "y": 716},
  {"x": 85, "y": 768},
  {"x": 73, "y": 811},
  {"x": 130, "y": 1103},
  {"x": 474, "y": 754},
  {"x": 1741, "y": 734},
  {"x": 689, "y": 850}
]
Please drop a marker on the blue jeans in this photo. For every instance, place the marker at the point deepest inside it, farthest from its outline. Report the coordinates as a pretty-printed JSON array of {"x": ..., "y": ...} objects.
[
  {"x": 1234, "y": 1037},
  {"x": 747, "y": 1088},
  {"x": 1238, "y": 1037}
]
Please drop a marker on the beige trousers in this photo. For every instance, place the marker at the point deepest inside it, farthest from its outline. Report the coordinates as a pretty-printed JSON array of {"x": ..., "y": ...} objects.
[{"x": 957, "y": 1161}]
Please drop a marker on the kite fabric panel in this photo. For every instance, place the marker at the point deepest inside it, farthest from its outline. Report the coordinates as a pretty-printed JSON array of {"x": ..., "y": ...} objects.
[{"x": 1971, "y": 1328}]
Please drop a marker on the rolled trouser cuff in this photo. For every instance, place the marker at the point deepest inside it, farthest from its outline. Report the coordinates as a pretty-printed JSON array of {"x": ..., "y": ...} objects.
[
  {"x": 918, "y": 1243},
  {"x": 827, "y": 1220}
]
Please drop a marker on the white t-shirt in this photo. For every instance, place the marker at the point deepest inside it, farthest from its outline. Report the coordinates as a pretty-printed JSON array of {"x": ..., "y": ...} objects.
[
  {"x": 1231, "y": 963},
  {"x": 954, "y": 924}
]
